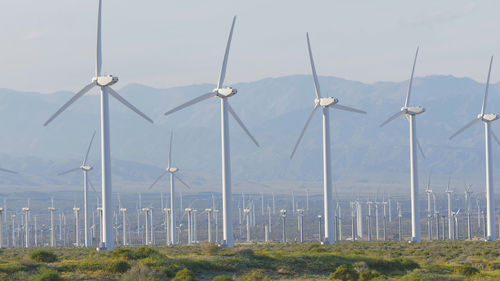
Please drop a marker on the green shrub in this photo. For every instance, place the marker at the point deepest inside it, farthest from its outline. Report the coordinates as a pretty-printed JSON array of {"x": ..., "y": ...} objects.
[
  {"x": 223, "y": 278},
  {"x": 317, "y": 249},
  {"x": 144, "y": 252},
  {"x": 467, "y": 270},
  {"x": 184, "y": 275},
  {"x": 89, "y": 264},
  {"x": 12, "y": 267},
  {"x": 139, "y": 273},
  {"x": 408, "y": 264},
  {"x": 369, "y": 275},
  {"x": 49, "y": 275},
  {"x": 345, "y": 272},
  {"x": 210, "y": 249},
  {"x": 123, "y": 253},
  {"x": 255, "y": 275},
  {"x": 43, "y": 256},
  {"x": 118, "y": 266},
  {"x": 245, "y": 253}
]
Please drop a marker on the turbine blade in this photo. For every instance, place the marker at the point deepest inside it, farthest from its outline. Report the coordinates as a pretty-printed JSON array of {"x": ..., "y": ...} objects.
[
  {"x": 304, "y": 130},
  {"x": 8, "y": 171},
  {"x": 429, "y": 178},
  {"x": 313, "y": 68},
  {"x": 495, "y": 137},
  {"x": 88, "y": 149},
  {"x": 420, "y": 148},
  {"x": 170, "y": 150},
  {"x": 72, "y": 100},
  {"x": 127, "y": 104},
  {"x": 238, "y": 120},
  {"x": 347, "y": 108},
  {"x": 411, "y": 79},
  {"x": 93, "y": 188},
  {"x": 191, "y": 102},
  {"x": 157, "y": 180},
  {"x": 99, "y": 47},
  {"x": 69, "y": 171},
  {"x": 483, "y": 108},
  {"x": 465, "y": 127},
  {"x": 182, "y": 181},
  {"x": 391, "y": 118},
  {"x": 222, "y": 75}
]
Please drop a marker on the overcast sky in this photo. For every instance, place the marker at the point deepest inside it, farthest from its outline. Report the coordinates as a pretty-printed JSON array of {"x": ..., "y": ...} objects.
[{"x": 50, "y": 45}]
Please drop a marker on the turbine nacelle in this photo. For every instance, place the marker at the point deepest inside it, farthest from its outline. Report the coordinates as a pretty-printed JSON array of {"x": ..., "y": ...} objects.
[
  {"x": 326, "y": 102},
  {"x": 225, "y": 92},
  {"x": 104, "y": 81},
  {"x": 487, "y": 117},
  {"x": 413, "y": 110},
  {"x": 86, "y": 168},
  {"x": 172, "y": 170}
]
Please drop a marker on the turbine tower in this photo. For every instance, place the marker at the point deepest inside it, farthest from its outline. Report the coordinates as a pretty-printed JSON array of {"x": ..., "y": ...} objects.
[
  {"x": 468, "y": 204},
  {"x": 429, "y": 206},
  {"x": 103, "y": 82},
  {"x": 325, "y": 103},
  {"x": 85, "y": 168},
  {"x": 490, "y": 199},
  {"x": 26, "y": 226},
  {"x": 448, "y": 193},
  {"x": 52, "y": 230},
  {"x": 411, "y": 113},
  {"x": 76, "y": 211},
  {"x": 172, "y": 170},
  {"x": 223, "y": 93}
]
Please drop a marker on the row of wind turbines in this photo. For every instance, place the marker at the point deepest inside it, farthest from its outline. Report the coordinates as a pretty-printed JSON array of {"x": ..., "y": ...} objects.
[
  {"x": 371, "y": 220},
  {"x": 104, "y": 83}
]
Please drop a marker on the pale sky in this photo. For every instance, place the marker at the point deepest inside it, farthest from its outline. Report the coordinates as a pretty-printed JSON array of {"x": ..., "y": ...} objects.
[{"x": 50, "y": 45}]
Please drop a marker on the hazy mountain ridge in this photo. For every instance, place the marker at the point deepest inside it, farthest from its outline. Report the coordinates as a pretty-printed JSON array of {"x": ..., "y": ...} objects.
[{"x": 275, "y": 110}]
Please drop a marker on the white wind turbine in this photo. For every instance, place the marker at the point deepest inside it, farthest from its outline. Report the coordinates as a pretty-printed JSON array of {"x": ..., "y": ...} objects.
[
  {"x": 490, "y": 199},
  {"x": 85, "y": 168},
  {"x": 325, "y": 103},
  {"x": 103, "y": 82},
  {"x": 428, "y": 190},
  {"x": 172, "y": 170},
  {"x": 223, "y": 93},
  {"x": 448, "y": 193},
  {"x": 410, "y": 113}
]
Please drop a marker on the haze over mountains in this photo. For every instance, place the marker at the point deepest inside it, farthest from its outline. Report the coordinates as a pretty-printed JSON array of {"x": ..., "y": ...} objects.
[{"x": 275, "y": 111}]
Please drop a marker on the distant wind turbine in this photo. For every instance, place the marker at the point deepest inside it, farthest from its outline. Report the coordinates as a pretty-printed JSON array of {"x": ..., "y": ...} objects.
[
  {"x": 410, "y": 113},
  {"x": 172, "y": 170},
  {"x": 85, "y": 168},
  {"x": 223, "y": 93},
  {"x": 490, "y": 198},
  {"x": 104, "y": 82},
  {"x": 326, "y": 104}
]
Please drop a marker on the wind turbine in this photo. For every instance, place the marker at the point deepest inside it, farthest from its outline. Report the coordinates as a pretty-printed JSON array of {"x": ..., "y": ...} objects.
[
  {"x": 490, "y": 198},
  {"x": 448, "y": 193},
  {"x": 223, "y": 93},
  {"x": 325, "y": 103},
  {"x": 468, "y": 205},
  {"x": 172, "y": 170},
  {"x": 52, "y": 230},
  {"x": 1, "y": 227},
  {"x": 429, "y": 206},
  {"x": 104, "y": 82},
  {"x": 85, "y": 168},
  {"x": 411, "y": 113}
]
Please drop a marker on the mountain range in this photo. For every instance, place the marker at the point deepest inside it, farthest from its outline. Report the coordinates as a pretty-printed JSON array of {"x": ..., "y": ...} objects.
[{"x": 365, "y": 157}]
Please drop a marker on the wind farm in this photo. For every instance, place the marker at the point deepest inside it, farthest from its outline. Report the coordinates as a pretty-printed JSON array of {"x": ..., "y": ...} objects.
[{"x": 263, "y": 188}]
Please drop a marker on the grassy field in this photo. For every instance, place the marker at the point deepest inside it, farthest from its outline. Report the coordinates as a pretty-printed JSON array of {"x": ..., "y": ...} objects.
[{"x": 461, "y": 260}]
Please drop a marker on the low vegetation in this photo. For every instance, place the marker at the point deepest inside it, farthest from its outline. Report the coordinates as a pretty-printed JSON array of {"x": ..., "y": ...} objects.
[{"x": 447, "y": 260}]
